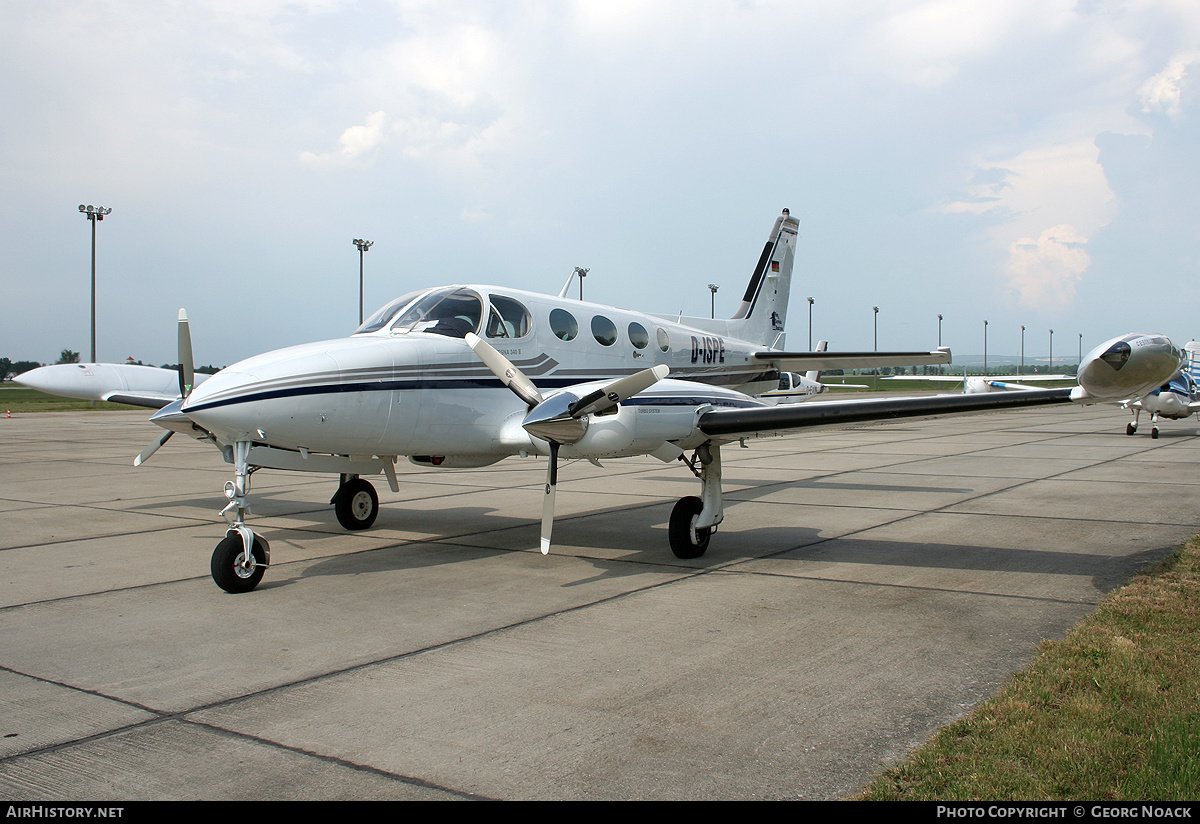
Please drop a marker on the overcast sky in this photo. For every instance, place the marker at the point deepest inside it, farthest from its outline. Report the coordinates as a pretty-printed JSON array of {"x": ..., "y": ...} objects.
[{"x": 1029, "y": 162}]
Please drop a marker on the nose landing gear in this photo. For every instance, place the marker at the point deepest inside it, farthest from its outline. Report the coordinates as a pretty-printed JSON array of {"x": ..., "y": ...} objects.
[{"x": 239, "y": 561}]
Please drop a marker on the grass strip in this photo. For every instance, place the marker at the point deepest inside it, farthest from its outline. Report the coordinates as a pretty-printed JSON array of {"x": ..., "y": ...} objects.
[{"x": 1111, "y": 712}]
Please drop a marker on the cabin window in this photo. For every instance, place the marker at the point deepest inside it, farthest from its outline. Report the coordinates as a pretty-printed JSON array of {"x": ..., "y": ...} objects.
[
  {"x": 664, "y": 342},
  {"x": 508, "y": 318},
  {"x": 785, "y": 381},
  {"x": 563, "y": 324},
  {"x": 451, "y": 312},
  {"x": 604, "y": 330},
  {"x": 638, "y": 336}
]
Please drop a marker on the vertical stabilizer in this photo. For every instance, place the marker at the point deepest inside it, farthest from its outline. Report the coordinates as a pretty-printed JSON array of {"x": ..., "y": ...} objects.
[
  {"x": 763, "y": 311},
  {"x": 815, "y": 374}
]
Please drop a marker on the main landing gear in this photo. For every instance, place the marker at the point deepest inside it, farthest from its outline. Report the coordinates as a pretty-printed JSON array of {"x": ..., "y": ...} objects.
[
  {"x": 694, "y": 520},
  {"x": 355, "y": 503},
  {"x": 1132, "y": 426}
]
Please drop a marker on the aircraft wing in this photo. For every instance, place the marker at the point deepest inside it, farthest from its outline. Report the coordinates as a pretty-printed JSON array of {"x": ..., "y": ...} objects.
[
  {"x": 768, "y": 420},
  {"x": 824, "y": 361},
  {"x": 148, "y": 401}
]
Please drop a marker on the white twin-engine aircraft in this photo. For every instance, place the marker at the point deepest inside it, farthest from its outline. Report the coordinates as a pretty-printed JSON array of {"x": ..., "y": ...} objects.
[{"x": 467, "y": 375}]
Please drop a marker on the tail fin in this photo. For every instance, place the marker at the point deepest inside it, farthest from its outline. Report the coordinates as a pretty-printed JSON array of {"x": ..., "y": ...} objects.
[
  {"x": 763, "y": 311},
  {"x": 815, "y": 374}
]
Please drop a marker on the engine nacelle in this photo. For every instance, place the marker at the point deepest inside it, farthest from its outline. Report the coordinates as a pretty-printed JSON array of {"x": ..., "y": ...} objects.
[{"x": 667, "y": 411}]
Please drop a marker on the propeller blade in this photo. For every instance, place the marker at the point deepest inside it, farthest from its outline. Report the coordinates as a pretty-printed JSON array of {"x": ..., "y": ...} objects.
[
  {"x": 617, "y": 391},
  {"x": 503, "y": 368},
  {"x": 548, "y": 501},
  {"x": 187, "y": 375},
  {"x": 145, "y": 454}
]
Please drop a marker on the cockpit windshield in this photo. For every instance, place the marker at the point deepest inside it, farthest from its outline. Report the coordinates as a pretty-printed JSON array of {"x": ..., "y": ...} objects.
[
  {"x": 383, "y": 316},
  {"x": 452, "y": 312}
]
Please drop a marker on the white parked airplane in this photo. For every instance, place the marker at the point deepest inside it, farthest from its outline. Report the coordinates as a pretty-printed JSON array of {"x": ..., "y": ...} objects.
[
  {"x": 796, "y": 388},
  {"x": 467, "y": 375},
  {"x": 976, "y": 384},
  {"x": 1176, "y": 399},
  {"x": 133, "y": 384}
]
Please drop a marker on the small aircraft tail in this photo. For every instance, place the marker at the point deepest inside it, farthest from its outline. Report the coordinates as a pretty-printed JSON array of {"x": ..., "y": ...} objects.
[
  {"x": 763, "y": 311},
  {"x": 814, "y": 375}
]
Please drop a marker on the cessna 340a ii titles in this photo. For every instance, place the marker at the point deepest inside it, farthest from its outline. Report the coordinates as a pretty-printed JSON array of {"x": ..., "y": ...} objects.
[{"x": 467, "y": 375}]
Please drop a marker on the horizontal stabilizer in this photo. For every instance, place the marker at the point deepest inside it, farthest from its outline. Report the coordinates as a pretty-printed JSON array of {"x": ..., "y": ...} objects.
[{"x": 805, "y": 361}]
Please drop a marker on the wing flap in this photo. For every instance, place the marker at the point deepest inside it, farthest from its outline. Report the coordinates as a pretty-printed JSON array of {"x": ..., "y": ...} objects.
[{"x": 771, "y": 419}]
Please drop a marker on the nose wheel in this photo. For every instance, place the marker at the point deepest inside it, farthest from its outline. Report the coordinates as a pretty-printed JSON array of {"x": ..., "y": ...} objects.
[{"x": 235, "y": 570}]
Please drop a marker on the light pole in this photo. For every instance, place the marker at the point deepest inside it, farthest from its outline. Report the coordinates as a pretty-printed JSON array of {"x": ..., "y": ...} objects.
[
  {"x": 1021, "y": 371},
  {"x": 875, "y": 309},
  {"x": 985, "y": 349},
  {"x": 363, "y": 246},
  {"x": 939, "y": 339},
  {"x": 1050, "y": 368},
  {"x": 94, "y": 213},
  {"x": 582, "y": 274},
  {"x": 712, "y": 287},
  {"x": 810, "y": 305},
  {"x": 1080, "y": 353}
]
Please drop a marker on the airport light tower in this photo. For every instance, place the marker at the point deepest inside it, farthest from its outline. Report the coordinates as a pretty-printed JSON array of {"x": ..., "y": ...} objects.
[
  {"x": 985, "y": 349},
  {"x": 712, "y": 287},
  {"x": 363, "y": 246},
  {"x": 94, "y": 214},
  {"x": 810, "y": 305},
  {"x": 1022, "y": 369},
  {"x": 579, "y": 270},
  {"x": 1050, "y": 368},
  {"x": 875, "y": 309}
]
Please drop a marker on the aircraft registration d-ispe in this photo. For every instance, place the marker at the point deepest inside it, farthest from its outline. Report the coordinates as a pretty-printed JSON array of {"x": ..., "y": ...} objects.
[{"x": 468, "y": 375}]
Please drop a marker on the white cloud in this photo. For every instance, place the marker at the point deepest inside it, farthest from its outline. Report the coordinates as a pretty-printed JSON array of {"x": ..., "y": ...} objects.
[
  {"x": 1044, "y": 272},
  {"x": 354, "y": 143},
  {"x": 1163, "y": 93}
]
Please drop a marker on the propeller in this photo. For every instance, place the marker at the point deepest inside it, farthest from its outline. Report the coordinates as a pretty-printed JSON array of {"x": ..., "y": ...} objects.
[
  {"x": 561, "y": 418},
  {"x": 187, "y": 380}
]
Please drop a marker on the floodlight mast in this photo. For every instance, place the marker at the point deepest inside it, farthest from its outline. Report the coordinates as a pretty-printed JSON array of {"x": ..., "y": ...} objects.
[
  {"x": 712, "y": 287},
  {"x": 363, "y": 246},
  {"x": 93, "y": 214}
]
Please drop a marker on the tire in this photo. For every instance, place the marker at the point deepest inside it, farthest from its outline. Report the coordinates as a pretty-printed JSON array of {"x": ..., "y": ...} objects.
[
  {"x": 679, "y": 530},
  {"x": 227, "y": 571},
  {"x": 1130, "y": 429},
  {"x": 1154, "y": 433},
  {"x": 356, "y": 504}
]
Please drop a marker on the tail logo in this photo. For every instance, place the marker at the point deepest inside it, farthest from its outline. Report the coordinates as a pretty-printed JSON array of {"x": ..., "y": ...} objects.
[{"x": 776, "y": 323}]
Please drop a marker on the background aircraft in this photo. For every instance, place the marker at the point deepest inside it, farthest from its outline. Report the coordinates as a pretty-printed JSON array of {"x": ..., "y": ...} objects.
[
  {"x": 148, "y": 386},
  {"x": 796, "y": 388},
  {"x": 467, "y": 375},
  {"x": 1175, "y": 400}
]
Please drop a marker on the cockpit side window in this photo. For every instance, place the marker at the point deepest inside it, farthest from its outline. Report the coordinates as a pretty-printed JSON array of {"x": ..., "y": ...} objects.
[
  {"x": 508, "y": 318},
  {"x": 451, "y": 312}
]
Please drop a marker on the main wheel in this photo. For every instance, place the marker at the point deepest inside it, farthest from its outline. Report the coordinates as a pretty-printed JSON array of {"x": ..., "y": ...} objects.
[
  {"x": 227, "y": 568},
  {"x": 1130, "y": 428},
  {"x": 356, "y": 504},
  {"x": 686, "y": 541},
  {"x": 1154, "y": 433}
]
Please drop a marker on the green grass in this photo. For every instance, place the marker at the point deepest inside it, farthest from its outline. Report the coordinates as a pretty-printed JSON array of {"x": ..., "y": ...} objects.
[
  {"x": 1111, "y": 712},
  {"x": 17, "y": 398}
]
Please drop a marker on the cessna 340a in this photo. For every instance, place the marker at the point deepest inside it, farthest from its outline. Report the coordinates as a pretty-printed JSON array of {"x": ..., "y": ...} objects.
[{"x": 467, "y": 375}]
